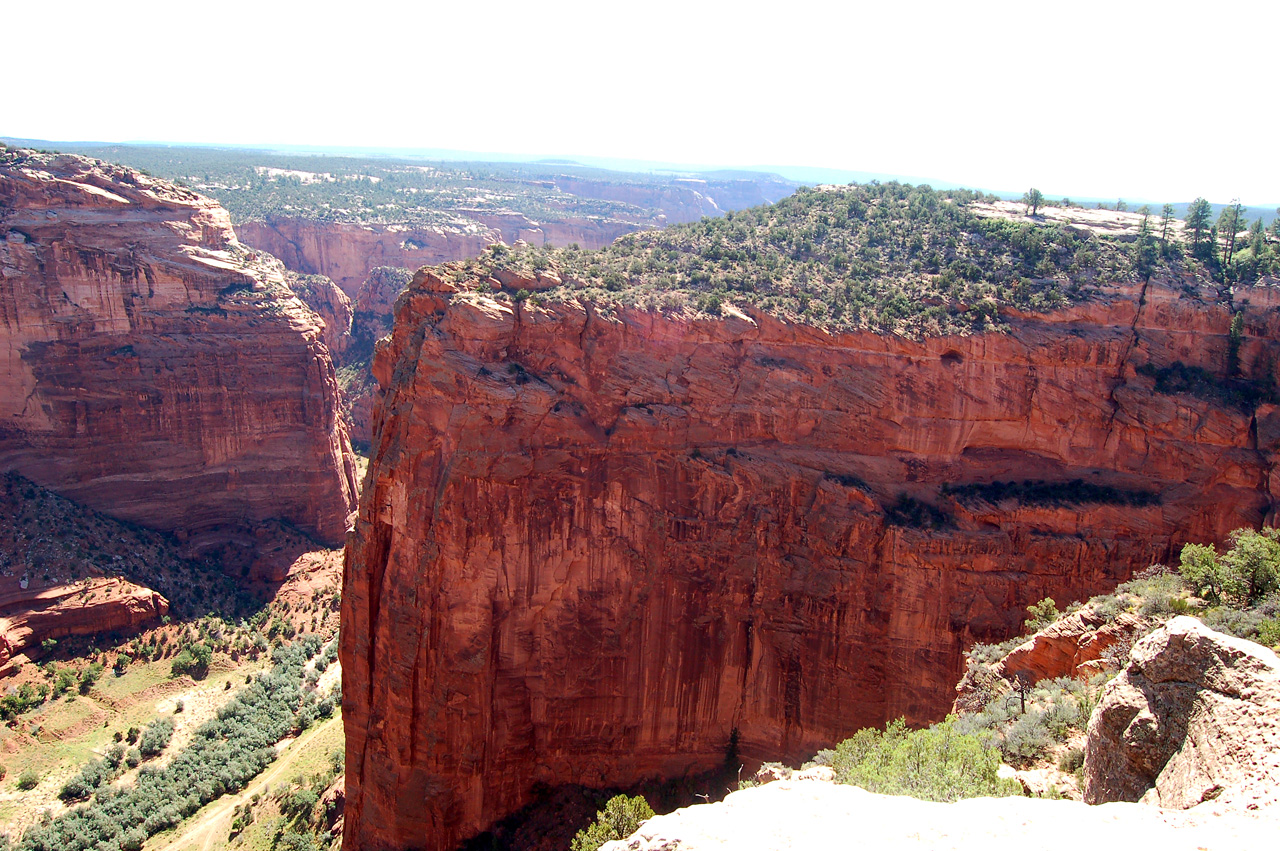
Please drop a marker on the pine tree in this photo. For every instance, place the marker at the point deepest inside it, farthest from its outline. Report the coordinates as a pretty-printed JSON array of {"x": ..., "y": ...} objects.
[
  {"x": 1166, "y": 222},
  {"x": 1197, "y": 222}
]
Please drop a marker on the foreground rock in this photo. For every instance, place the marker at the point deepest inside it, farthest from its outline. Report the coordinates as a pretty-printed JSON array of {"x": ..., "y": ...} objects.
[
  {"x": 153, "y": 367},
  {"x": 30, "y": 615},
  {"x": 807, "y": 815},
  {"x": 1194, "y": 718},
  {"x": 597, "y": 540}
]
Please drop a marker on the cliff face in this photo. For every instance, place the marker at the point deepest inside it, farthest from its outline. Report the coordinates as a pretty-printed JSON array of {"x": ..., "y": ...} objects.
[
  {"x": 348, "y": 252},
  {"x": 594, "y": 543},
  {"x": 155, "y": 368}
]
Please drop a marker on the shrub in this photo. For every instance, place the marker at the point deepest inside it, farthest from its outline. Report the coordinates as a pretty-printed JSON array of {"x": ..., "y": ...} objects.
[
  {"x": 1040, "y": 615},
  {"x": 89, "y": 676},
  {"x": 1071, "y": 759},
  {"x": 156, "y": 737},
  {"x": 193, "y": 660},
  {"x": 938, "y": 763},
  {"x": 620, "y": 818},
  {"x": 1241, "y": 577},
  {"x": 28, "y": 780}
]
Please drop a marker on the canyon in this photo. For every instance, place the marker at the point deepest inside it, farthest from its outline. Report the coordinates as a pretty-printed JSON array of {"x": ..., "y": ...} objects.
[
  {"x": 599, "y": 543},
  {"x": 155, "y": 368}
]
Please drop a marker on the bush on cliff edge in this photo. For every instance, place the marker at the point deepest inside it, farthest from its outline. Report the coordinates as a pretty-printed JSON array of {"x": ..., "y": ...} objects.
[
  {"x": 934, "y": 764},
  {"x": 620, "y": 818}
]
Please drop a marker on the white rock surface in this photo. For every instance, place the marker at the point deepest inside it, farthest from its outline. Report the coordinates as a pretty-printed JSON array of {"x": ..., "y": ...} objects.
[{"x": 807, "y": 814}]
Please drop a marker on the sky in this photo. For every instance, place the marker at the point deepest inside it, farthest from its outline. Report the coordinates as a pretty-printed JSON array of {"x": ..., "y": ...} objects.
[{"x": 1153, "y": 101}]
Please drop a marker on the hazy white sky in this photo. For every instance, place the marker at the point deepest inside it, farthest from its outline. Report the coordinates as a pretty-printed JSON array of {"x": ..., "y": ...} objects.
[{"x": 1155, "y": 100}]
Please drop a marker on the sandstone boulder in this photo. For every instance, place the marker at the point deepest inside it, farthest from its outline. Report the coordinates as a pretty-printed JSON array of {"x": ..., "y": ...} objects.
[{"x": 1195, "y": 717}]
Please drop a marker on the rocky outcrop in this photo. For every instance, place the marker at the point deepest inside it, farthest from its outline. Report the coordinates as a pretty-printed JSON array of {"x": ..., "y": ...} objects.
[
  {"x": 346, "y": 252},
  {"x": 597, "y": 541},
  {"x": 806, "y": 815},
  {"x": 1194, "y": 718},
  {"x": 328, "y": 302},
  {"x": 1071, "y": 646},
  {"x": 154, "y": 368},
  {"x": 30, "y": 614}
]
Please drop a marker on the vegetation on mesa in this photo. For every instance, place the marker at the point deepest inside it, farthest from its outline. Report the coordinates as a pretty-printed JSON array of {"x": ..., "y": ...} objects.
[
  {"x": 890, "y": 257},
  {"x": 256, "y": 185}
]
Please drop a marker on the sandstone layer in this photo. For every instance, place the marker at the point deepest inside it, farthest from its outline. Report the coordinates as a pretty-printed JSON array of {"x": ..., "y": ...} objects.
[
  {"x": 347, "y": 252},
  {"x": 804, "y": 815},
  {"x": 328, "y": 302},
  {"x": 153, "y": 367},
  {"x": 1193, "y": 720},
  {"x": 597, "y": 542},
  {"x": 30, "y": 615}
]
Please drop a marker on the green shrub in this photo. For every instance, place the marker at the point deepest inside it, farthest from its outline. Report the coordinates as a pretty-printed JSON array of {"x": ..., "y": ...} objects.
[
  {"x": 938, "y": 763},
  {"x": 1240, "y": 577},
  {"x": 156, "y": 737},
  {"x": 620, "y": 818},
  {"x": 28, "y": 780},
  {"x": 193, "y": 660},
  {"x": 1040, "y": 615},
  {"x": 89, "y": 676}
]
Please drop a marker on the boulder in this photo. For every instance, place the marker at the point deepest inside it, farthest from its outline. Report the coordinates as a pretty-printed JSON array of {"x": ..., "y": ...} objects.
[{"x": 1194, "y": 717}]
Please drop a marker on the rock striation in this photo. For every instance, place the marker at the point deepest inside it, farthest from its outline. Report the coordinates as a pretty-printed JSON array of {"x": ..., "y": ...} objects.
[
  {"x": 1193, "y": 718},
  {"x": 153, "y": 367},
  {"x": 599, "y": 543},
  {"x": 29, "y": 615}
]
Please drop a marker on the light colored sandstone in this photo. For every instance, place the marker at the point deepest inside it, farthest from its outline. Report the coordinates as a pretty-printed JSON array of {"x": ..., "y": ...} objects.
[
  {"x": 807, "y": 815},
  {"x": 1194, "y": 719}
]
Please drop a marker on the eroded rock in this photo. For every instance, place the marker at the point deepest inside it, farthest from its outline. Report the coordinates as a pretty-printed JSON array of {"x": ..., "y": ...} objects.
[
  {"x": 598, "y": 540},
  {"x": 1193, "y": 718},
  {"x": 154, "y": 368}
]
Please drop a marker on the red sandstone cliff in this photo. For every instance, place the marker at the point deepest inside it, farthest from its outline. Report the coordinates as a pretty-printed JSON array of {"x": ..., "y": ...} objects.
[
  {"x": 348, "y": 252},
  {"x": 155, "y": 368},
  {"x": 593, "y": 543},
  {"x": 95, "y": 605}
]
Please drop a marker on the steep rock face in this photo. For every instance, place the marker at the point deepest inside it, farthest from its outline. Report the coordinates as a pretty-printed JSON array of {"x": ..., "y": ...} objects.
[
  {"x": 1195, "y": 717},
  {"x": 330, "y": 303},
  {"x": 594, "y": 543},
  {"x": 105, "y": 604},
  {"x": 348, "y": 252},
  {"x": 154, "y": 368}
]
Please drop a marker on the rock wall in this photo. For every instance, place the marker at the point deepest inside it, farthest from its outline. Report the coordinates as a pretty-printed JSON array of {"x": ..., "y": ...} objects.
[
  {"x": 595, "y": 542},
  {"x": 348, "y": 252},
  {"x": 153, "y": 367}
]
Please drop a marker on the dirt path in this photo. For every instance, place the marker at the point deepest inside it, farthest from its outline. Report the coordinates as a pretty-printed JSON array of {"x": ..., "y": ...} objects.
[{"x": 213, "y": 825}]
